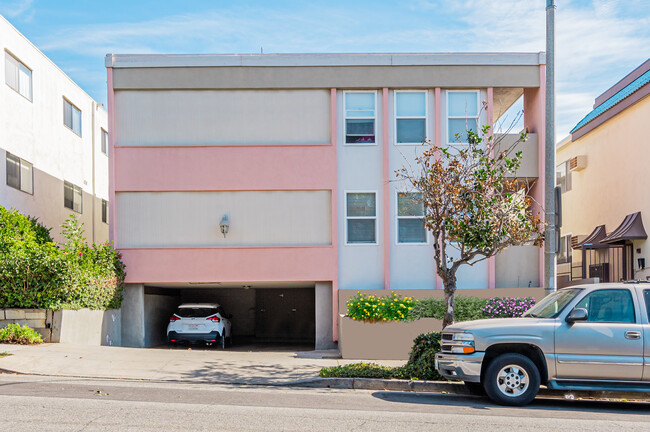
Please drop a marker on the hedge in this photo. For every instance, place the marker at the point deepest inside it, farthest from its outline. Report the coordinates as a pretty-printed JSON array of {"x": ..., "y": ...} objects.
[{"x": 37, "y": 273}]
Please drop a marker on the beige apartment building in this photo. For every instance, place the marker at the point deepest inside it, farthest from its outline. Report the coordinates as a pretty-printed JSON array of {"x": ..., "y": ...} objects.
[{"x": 602, "y": 169}]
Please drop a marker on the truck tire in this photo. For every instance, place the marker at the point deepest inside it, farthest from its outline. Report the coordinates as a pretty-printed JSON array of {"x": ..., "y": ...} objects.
[{"x": 512, "y": 379}]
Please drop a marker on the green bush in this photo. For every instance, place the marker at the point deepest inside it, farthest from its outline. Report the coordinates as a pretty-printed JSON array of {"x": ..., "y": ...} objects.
[
  {"x": 421, "y": 363},
  {"x": 371, "y": 308},
  {"x": 36, "y": 273},
  {"x": 467, "y": 309},
  {"x": 14, "y": 333},
  {"x": 420, "y": 366}
]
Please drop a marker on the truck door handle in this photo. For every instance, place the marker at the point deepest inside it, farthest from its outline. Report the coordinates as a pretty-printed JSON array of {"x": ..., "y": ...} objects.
[{"x": 632, "y": 335}]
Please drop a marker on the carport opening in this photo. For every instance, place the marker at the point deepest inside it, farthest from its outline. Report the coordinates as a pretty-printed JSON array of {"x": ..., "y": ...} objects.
[{"x": 262, "y": 317}]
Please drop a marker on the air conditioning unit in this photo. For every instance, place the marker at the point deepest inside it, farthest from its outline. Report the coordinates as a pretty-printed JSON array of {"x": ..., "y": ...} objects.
[
  {"x": 577, "y": 239},
  {"x": 578, "y": 163}
]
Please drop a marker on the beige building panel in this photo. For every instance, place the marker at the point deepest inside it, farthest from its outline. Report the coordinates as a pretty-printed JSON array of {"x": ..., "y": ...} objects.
[
  {"x": 350, "y": 77},
  {"x": 191, "y": 219},
  {"x": 517, "y": 267},
  {"x": 211, "y": 117}
]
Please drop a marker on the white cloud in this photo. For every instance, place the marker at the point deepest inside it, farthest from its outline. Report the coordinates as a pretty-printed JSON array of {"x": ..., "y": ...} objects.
[
  {"x": 597, "y": 41},
  {"x": 18, "y": 9}
]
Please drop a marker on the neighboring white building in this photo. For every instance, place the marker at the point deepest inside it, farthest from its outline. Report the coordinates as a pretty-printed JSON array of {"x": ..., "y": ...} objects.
[{"x": 53, "y": 141}]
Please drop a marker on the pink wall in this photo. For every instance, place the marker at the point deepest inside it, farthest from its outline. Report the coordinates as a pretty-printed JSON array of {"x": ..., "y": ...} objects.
[
  {"x": 335, "y": 225},
  {"x": 386, "y": 142},
  {"x": 267, "y": 264},
  {"x": 491, "y": 262},
  {"x": 535, "y": 121},
  {"x": 438, "y": 142},
  {"x": 224, "y": 168}
]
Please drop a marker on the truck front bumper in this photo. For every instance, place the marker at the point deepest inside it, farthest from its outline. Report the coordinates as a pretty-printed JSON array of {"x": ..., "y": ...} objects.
[{"x": 463, "y": 367}]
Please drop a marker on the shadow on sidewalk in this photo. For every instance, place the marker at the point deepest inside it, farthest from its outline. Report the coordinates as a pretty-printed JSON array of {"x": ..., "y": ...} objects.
[
  {"x": 264, "y": 374},
  {"x": 482, "y": 403}
]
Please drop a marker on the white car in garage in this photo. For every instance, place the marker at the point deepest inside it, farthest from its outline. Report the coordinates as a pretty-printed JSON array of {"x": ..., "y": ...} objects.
[{"x": 199, "y": 323}]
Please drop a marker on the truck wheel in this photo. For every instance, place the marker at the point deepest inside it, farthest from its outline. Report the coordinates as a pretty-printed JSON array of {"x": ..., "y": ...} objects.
[{"x": 512, "y": 379}]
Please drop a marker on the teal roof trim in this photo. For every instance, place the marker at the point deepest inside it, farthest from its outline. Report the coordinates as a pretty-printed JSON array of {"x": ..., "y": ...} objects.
[{"x": 626, "y": 91}]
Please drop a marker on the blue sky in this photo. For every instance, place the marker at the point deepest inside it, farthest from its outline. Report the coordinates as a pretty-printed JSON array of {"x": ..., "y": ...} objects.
[{"x": 598, "y": 41}]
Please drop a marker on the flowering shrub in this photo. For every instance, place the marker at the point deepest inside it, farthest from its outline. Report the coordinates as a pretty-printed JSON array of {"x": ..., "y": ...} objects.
[
  {"x": 37, "y": 273},
  {"x": 14, "y": 333},
  {"x": 372, "y": 308},
  {"x": 507, "y": 307}
]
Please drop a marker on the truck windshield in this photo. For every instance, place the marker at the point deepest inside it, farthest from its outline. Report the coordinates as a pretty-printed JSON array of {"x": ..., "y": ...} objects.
[{"x": 552, "y": 305}]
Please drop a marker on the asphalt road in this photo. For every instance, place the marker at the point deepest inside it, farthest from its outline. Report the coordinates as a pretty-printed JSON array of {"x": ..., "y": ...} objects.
[{"x": 32, "y": 403}]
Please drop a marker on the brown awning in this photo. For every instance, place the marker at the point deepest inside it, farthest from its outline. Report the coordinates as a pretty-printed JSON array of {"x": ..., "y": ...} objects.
[
  {"x": 595, "y": 237},
  {"x": 630, "y": 229}
]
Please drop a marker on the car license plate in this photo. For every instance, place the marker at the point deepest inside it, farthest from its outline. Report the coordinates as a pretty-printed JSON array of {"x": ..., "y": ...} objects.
[{"x": 192, "y": 326}]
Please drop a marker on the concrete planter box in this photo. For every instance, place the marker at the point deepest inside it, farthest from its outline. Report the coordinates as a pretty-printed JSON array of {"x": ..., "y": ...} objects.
[
  {"x": 391, "y": 340},
  {"x": 87, "y": 327},
  {"x": 82, "y": 327}
]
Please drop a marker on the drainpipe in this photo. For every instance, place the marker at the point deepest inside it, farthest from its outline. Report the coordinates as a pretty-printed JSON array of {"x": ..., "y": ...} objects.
[{"x": 550, "y": 247}]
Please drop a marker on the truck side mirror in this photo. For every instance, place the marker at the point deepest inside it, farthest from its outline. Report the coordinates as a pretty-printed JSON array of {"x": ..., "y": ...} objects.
[{"x": 577, "y": 314}]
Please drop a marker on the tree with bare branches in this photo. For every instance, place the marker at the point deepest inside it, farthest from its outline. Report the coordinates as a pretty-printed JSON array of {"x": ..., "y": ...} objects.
[{"x": 474, "y": 204}]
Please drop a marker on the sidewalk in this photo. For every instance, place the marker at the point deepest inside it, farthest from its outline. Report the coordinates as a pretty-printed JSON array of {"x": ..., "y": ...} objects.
[{"x": 164, "y": 364}]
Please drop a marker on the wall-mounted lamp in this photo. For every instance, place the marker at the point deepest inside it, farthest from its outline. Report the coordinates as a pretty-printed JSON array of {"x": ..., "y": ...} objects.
[{"x": 224, "y": 225}]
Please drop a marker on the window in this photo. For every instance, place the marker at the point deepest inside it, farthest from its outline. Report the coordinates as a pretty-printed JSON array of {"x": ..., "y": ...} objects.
[
  {"x": 646, "y": 296},
  {"x": 20, "y": 174},
  {"x": 71, "y": 117},
  {"x": 462, "y": 115},
  {"x": 18, "y": 76},
  {"x": 104, "y": 142},
  {"x": 410, "y": 117},
  {"x": 609, "y": 305},
  {"x": 104, "y": 211},
  {"x": 563, "y": 176},
  {"x": 72, "y": 197},
  {"x": 360, "y": 117},
  {"x": 361, "y": 214},
  {"x": 564, "y": 253},
  {"x": 410, "y": 218}
]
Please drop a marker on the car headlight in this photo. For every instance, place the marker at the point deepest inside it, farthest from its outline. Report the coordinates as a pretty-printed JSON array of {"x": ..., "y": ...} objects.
[
  {"x": 463, "y": 337},
  {"x": 463, "y": 343}
]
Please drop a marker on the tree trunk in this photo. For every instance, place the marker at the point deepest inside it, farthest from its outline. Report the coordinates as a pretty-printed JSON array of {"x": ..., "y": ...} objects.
[{"x": 450, "y": 290}]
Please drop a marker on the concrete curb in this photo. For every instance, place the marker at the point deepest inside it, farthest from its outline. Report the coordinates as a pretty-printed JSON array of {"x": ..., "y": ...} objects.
[{"x": 455, "y": 388}]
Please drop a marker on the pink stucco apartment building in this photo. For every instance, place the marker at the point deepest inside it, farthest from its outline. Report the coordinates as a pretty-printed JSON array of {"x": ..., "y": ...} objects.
[{"x": 265, "y": 182}]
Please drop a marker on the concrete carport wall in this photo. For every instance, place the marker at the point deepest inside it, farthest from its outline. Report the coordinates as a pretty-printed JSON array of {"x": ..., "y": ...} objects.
[{"x": 306, "y": 311}]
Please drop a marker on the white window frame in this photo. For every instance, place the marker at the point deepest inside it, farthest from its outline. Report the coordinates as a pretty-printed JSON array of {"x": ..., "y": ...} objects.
[
  {"x": 21, "y": 161},
  {"x": 104, "y": 134},
  {"x": 567, "y": 175},
  {"x": 31, "y": 77},
  {"x": 396, "y": 117},
  {"x": 450, "y": 117},
  {"x": 105, "y": 211},
  {"x": 398, "y": 217},
  {"x": 569, "y": 252},
  {"x": 74, "y": 107},
  {"x": 345, "y": 213},
  {"x": 345, "y": 117},
  {"x": 74, "y": 189}
]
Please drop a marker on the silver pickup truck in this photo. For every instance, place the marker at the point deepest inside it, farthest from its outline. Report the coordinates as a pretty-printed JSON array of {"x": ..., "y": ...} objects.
[{"x": 587, "y": 337}]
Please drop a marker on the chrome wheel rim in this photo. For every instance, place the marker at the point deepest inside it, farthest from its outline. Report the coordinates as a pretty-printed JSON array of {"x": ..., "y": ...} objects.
[{"x": 512, "y": 381}]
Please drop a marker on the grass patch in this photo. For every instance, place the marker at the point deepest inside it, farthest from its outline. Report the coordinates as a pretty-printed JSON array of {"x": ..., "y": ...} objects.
[
  {"x": 420, "y": 366},
  {"x": 4, "y": 354}
]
